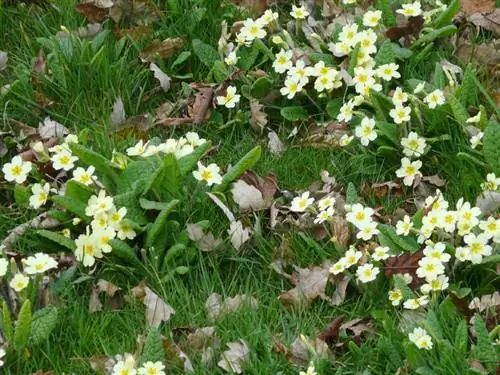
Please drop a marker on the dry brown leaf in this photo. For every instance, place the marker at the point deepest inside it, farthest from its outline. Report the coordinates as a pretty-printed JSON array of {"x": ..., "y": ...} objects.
[
  {"x": 258, "y": 118},
  {"x": 485, "y": 302},
  {"x": 339, "y": 295},
  {"x": 110, "y": 290},
  {"x": 325, "y": 135},
  {"x": 92, "y": 13},
  {"x": 237, "y": 234},
  {"x": 157, "y": 311},
  {"x": 257, "y": 7},
  {"x": 50, "y": 128},
  {"x": 331, "y": 334},
  {"x": 201, "y": 338},
  {"x": 175, "y": 354},
  {"x": 139, "y": 12},
  {"x": 310, "y": 283},
  {"x": 474, "y": 6},
  {"x": 276, "y": 147},
  {"x": 487, "y": 20},
  {"x": 218, "y": 308},
  {"x": 233, "y": 359},
  {"x": 488, "y": 202},
  {"x": 135, "y": 33},
  {"x": 340, "y": 231},
  {"x": 404, "y": 263},
  {"x": 434, "y": 180},
  {"x": 161, "y": 49},
  {"x": 204, "y": 241},
  {"x": 118, "y": 113},
  {"x": 164, "y": 79},
  {"x": 268, "y": 186},
  {"x": 300, "y": 354},
  {"x": 102, "y": 364},
  {"x": 381, "y": 190},
  {"x": 90, "y": 30},
  {"x": 247, "y": 197},
  {"x": 3, "y": 60}
]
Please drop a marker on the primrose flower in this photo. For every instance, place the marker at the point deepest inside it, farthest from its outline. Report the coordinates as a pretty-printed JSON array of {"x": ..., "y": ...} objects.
[
  {"x": 299, "y": 13},
  {"x": 400, "y": 114},
  {"x": 492, "y": 182},
  {"x": 283, "y": 61},
  {"x": 152, "y": 368},
  {"x": 476, "y": 140},
  {"x": 4, "y": 267},
  {"x": 40, "y": 195},
  {"x": 268, "y": 17},
  {"x": 2, "y": 354},
  {"x": 63, "y": 160},
  {"x": 326, "y": 203},
  {"x": 114, "y": 217},
  {"x": 87, "y": 249},
  {"x": 371, "y": 18},
  {"x": 435, "y": 285},
  {"x": 367, "y": 231},
  {"x": 310, "y": 370},
  {"x": 19, "y": 282},
  {"x": 301, "y": 203},
  {"x": 421, "y": 338},
  {"x": 409, "y": 170},
  {"x": 404, "y": 226},
  {"x": 338, "y": 267},
  {"x": 429, "y": 268},
  {"x": 125, "y": 367},
  {"x": 324, "y": 215},
  {"x": 478, "y": 247},
  {"x": 292, "y": 86},
  {"x": 210, "y": 174},
  {"x": 348, "y": 34},
  {"x": 435, "y": 98},
  {"x": 399, "y": 97},
  {"x": 252, "y": 29},
  {"x": 345, "y": 140},
  {"x": 395, "y": 296},
  {"x": 102, "y": 237},
  {"x": 436, "y": 251},
  {"x": 410, "y": 10},
  {"x": 413, "y": 145},
  {"x": 17, "y": 170},
  {"x": 388, "y": 71},
  {"x": 352, "y": 257},
  {"x": 366, "y": 131},
  {"x": 359, "y": 215},
  {"x": 363, "y": 78},
  {"x": 230, "y": 99},
  {"x": 138, "y": 149},
  {"x": 340, "y": 49},
  {"x": 84, "y": 176},
  {"x": 99, "y": 204},
  {"x": 367, "y": 40},
  {"x": 301, "y": 72},
  {"x": 231, "y": 58},
  {"x": 346, "y": 111},
  {"x": 415, "y": 303},
  {"x": 367, "y": 272},
  {"x": 125, "y": 231},
  {"x": 39, "y": 263},
  {"x": 474, "y": 119},
  {"x": 194, "y": 139},
  {"x": 491, "y": 228},
  {"x": 381, "y": 253}
]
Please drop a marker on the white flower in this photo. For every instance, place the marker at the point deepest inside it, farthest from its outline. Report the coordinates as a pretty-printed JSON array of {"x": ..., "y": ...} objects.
[
  {"x": 345, "y": 140},
  {"x": 352, "y": 257},
  {"x": 468, "y": 214},
  {"x": 462, "y": 253},
  {"x": 292, "y": 86},
  {"x": 371, "y": 18},
  {"x": 436, "y": 251},
  {"x": 324, "y": 215},
  {"x": 231, "y": 58},
  {"x": 138, "y": 149},
  {"x": 407, "y": 278},
  {"x": 210, "y": 174},
  {"x": 83, "y": 176},
  {"x": 17, "y": 170},
  {"x": 87, "y": 249},
  {"x": 413, "y": 145},
  {"x": 40, "y": 195},
  {"x": 367, "y": 230},
  {"x": 150, "y": 368},
  {"x": 299, "y": 12},
  {"x": 404, "y": 226},
  {"x": 491, "y": 228},
  {"x": 230, "y": 99},
  {"x": 346, "y": 111},
  {"x": 125, "y": 231},
  {"x": 476, "y": 140},
  {"x": 310, "y": 370},
  {"x": 102, "y": 237},
  {"x": 19, "y": 282},
  {"x": 366, "y": 131},
  {"x": 400, "y": 114},
  {"x": 100, "y": 221},
  {"x": 367, "y": 40},
  {"x": 63, "y": 160},
  {"x": 326, "y": 202},
  {"x": 399, "y": 97},
  {"x": 114, "y": 217},
  {"x": 338, "y": 267},
  {"x": 367, "y": 273},
  {"x": 448, "y": 221},
  {"x": 301, "y": 72},
  {"x": 409, "y": 170},
  {"x": 424, "y": 233},
  {"x": 2, "y": 354},
  {"x": 39, "y": 263},
  {"x": 340, "y": 49},
  {"x": 359, "y": 215},
  {"x": 381, "y": 253},
  {"x": 282, "y": 61},
  {"x": 420, "y": 88},
  {"x": 421, "y": 338},
  {"x": 435, "y": 285},
  {"x": 349, "y": 34},
  {"x": 388, "y": 71},
  {"x": 475, "y": 119},
  {"x": 301, "y": 203},
  {"x": 429, "y": 268},
  {"x": 4, "y": 266},
  {"x": 252, "y": 29},
  {"x": 477, "y": 246},
  {"x": 492, "y": 182},
  {"x": 435, "y": 98},
  {"x": 194, "y": 139},
  {"x": 363, "y": 78},
  {"x": 126, "y": 367},
  {"x": 99, "y": 204},
  {"x": 411, "y": 10},
  {"x": 395, "y": 296},
  {"x": 415, "y": 303}
]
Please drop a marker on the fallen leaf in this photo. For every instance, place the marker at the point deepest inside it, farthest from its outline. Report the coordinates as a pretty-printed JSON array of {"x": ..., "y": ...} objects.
[
  {"x": 199, "y": 111},
  {"x": 485, "y": 302},
  {"x": 161, "y": 49},
  {"x": 474, "y": 6},
  {"x": 341, "y": 233},
  {"x": 102, "y": 364},
  {"x": 339, "y": 295},
  {"x": 275, "y": 145},
  {"x": 90, "y": 30},
  {"x": 487, "y": 20},
  {"x": 357, "y": 327},
  {"x": 201, "y": 337},
  {"x": 160, "y": 76},
  {"x": 4, "y": 57},
  {"x": 139, "y": 12},
  {"x": 268, "y": 185},
  {"x": 381, "y": 190},
  {"x": 173, "y": 351},
  {"x": 331, "y": 334},
  {"x": 92, "y": 12},
  {"x": 434, "y": 180},
  {"x": 110, "y": 289},
  {"x": 157, "y": 311},
  {"x": 232, "y": 360},
  {"x": 204, "y": 241},
  {"x": 222, "y": 206},
  {"x": 118, "y": 114},
  {"x": 325, "y": 135},
  {"x": 50, "y": 129},
  {"x": 488, "y": 202},
  {"x": 310, "y": 283},
  {"x": 247, "y": 197},
  {"x": 412, "y": 28},
  {"x": 257, "y": 7},
  {"x": 135, "y": 33},
  {"x": 404, "y": 263},
  {"x": 258, "y": 118},
  {"x": 237, "y": 234},
  {"x": 300, "y": 350},
  {"x": 218, "y": 308}
]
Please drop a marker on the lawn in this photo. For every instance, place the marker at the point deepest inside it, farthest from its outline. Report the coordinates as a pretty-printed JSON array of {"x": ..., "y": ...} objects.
[{"x": 215, "y": 186}]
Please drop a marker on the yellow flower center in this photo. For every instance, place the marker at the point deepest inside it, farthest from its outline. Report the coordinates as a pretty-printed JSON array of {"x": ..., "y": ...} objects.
[
  {"x": 17, "y": 170},
  {"x": 413, "y": 144},
  {"x": 293, "y": 87},
  {"x": 476, "y": 248},
  {"x": 206, "y": 175},
  {"x": 492, "y": 226},
  {"x": 88, "y": 249},
  {"x": 410, "y": 170},
  {"x": 360, "y": 216},
  {"x": 65, "y": 159}
]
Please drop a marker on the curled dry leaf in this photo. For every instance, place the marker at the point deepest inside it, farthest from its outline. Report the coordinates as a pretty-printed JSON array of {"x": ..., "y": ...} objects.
[
  {"x": 218, "y": 308},
  {"x": 325, "y": 135},
  {"x": 161, "y": 77},
  {"x": 474, "y": 6},
  {"x": 412, "y": 28},
  {"x": 176, "y": 355},
  {"x": 488, "y": 202},
  {"x": 135, "y": 33},
  {"x": 4, "y": 57},
  {"x": 303, "y": 350},
  {"x": 51, "y": 128},
  {"x": 118, "y": 114},
  {"x": 92, "y": 12},
  {"x": 204, "y": 241},
  {"x": 161, "y": 49},
  {"x": 487, "y": 20},
  {"x": 381, "y": 190},
  {"x": 485, "y": 302},
  {"x": 247, "y": 197},
  {"x": 90, "y": 30},
  {"x": 233, "y": 359},
  {"x": 237, "y": 234},
  {"x": 110, "y": 290},
  {"x": 157, "y": 310},
  {"x": 201, "y": 338},
  {"x": 275, "y": 145},
  {"x": 258, "y": 118},
  {"x": 404, "y": 263},
  {"x": 139, "y": 12},
  {"x": 102, "y": 364}
]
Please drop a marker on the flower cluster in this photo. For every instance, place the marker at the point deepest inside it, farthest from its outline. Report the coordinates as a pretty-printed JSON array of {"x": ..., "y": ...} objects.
[
  {"x": 128, "y": 366},
  {"x": 179, "y": 147},
  {"x": 421, "y": 338},
  {"x": 325, "y": 208}
]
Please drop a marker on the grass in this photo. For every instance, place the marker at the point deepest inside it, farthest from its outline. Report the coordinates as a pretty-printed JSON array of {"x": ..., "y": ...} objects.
[{"x": 88, "y": 77}]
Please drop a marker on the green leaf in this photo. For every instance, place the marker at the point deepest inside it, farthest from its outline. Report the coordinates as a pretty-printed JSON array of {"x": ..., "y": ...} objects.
[
  {"x": 433, "y": 35},
  {"x": 153, "y": 205},
  {"x": 247, "y": 57},
  {"x": 439, "y": 77},
  {"x": 459, "y": 111},
  {"x": 491, "y": 145},
  {"x": 77, "y": 190},
  {"x": 66, "y": 242},
  {"x": 388, "y": 17},
  {"x": 123, "y": 251},
  {"x": 136, "y": 174},
  {"x": 188, "y": 163},
  {"x": 100, "y": 163},
  {"x": 388, "y": 130},
  {"x": 353, "y": 62},
  {"x": 153, "y": 347},
  {"x": 23, "y": 327},
  {"x": 207, "y": 54},
  {"x": 433, "y": 326},
  {"x": 444, "y": 18},
  {"x": 156, "y": 236},
  {"x": 44, "y": 322},
  {"x": 385, "y": 54},
  {"x": 246, "y": 162},
  {"x": 404, "y": 242},
  {"x": 294, "y": 113},
  {"x": 22, "y": 195},
  {"x": 400, "y": 284},
  {"x": 333, "y": 107},
  {"x": 485, "y": 351},
  {"x": 468, "y": 93},
  {"x": 73, "y": 205},
  {"x": 351, "y": 196},
  {"x": 219, "y": 71},
  {"x": 183, "y": 57},
  {"x": 261, "y": 87},
  {"x": 8, "y": 329},
  {"x": 165, "y": 182},
  {"x": 461, "y": 337},
  {"x": 173, "y": 252},
  {"x": 131, "y": 202},
  {"x": 327, "y": 58}
]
